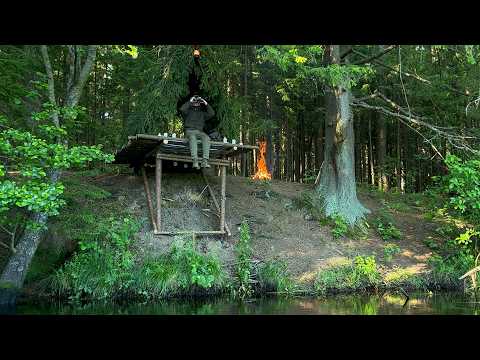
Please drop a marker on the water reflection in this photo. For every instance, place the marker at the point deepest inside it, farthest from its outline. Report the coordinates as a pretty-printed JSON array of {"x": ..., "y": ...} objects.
[{"x": 379, "y": 304}]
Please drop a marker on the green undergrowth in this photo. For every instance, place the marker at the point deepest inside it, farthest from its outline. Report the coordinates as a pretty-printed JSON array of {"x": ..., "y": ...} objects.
[
  {"x": 108, "y": 269},
  {"x": 309, "y": 203},
  {"x": 80, "y": 219},
  {"x": 274, "y": 276},
  {"x": 359, "y": 274},
  {"x": 257, "y": 278}
]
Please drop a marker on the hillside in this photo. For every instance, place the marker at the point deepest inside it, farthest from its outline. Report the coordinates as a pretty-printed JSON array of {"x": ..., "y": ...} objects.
[{"x": 280, "y": 227}]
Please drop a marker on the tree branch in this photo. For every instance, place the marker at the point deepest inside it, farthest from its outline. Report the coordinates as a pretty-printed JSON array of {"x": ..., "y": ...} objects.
[
  {"x": 376, "y": 56},
  {"x": 71, "y": 67},
  {"x": 51, "y": 83},
  {"x": 74, "y": 94},
  {"x": 450, "y": 134}
]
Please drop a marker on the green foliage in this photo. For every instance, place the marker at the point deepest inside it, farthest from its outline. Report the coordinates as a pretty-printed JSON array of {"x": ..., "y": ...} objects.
[
  {"x": 29, "y": 158},
  {"x": 273, "y": 275},
  {"x": 447, "y": 270},
  {"x": 244, "y": 265},
  {"x": 102, "y": 268},
  {"x": 463, "y": 184},
  {"x": 384, "y": 225},
  {"x": 358, "y": 275},
  {"x": 201, "y": 270},
  {"x": 405, "y": 278},
  {"x": 389, "y": 251},
  {"x": 183, "y": 270},
  {"x": 340, "y": 226}
]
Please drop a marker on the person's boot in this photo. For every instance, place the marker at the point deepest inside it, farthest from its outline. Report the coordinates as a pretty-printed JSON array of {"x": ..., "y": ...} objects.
[
  {"x": 205, "y": 163},
  {"x": 195, "y": 164}
]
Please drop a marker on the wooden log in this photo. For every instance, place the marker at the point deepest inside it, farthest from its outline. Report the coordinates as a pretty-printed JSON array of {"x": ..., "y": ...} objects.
[
  {"x": 215, "y": 202},
  {"x": 183, "y": 140},
  {"x": 149, "y": 199},
  {"x": 188, "y": 159},
  {"x": 172, "y": 233},
  {"x": 158, "y": 188}
]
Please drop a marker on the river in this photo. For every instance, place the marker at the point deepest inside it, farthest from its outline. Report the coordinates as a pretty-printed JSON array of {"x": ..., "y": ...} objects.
[{"x": 386, "y": 304}]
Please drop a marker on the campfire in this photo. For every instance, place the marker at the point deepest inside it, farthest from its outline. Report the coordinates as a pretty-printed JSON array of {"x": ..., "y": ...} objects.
[{"x": 262, "y": 171}]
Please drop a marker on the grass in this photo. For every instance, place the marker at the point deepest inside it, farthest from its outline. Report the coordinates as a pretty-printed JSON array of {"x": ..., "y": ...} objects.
[
  {"x": 182, "y": 271},
  {"x": 384, "y": 224},
  {"x": 359, "y": 274},
  {"x": 405, "y": 278},
  {"x": 273, "y": 276},
  {"x": 110, "y": 272}
]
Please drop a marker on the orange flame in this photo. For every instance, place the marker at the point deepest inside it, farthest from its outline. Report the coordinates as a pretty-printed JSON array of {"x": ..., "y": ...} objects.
[{"x": 262, "y": 171}]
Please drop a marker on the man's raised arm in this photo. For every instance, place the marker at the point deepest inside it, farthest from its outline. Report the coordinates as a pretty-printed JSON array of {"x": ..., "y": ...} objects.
[{"x": 184, "y": 108}]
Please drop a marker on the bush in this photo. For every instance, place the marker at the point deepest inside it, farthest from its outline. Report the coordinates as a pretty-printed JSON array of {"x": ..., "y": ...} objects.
[
  {"x": 390, "y": 250},
  {"x": 384, "y": 225},
  {"x": 183, "y": 270},
  {"x": 446, "y": 271},
  {"x": 244, "y": 266},
  {"x": 360, "y": 274},
  {"x": 462, "y": 182},
  {"x": 273, "y": 276},
  {"x": 102, "y": 268},
  {"x": 340, "y": 226}
]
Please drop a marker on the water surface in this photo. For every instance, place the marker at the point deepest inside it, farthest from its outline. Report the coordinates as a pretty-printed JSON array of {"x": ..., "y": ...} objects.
[{"x": 386, "y": 304}]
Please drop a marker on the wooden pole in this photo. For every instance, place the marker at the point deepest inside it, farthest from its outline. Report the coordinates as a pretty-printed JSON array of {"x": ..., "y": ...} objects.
[
  {"x": 195, "y": 233},
  {"x": 158, "y": 189},
  {"x": 149, "y": 199},
  {"x": 214, "y": 198},
  {"x": 222, "y": 199}
]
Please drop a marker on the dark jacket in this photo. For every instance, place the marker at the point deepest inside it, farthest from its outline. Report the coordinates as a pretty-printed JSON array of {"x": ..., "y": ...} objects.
[{"x": 195, "y": 119}]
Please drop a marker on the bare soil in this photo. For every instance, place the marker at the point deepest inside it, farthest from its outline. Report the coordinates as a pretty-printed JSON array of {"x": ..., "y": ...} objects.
[{"x": 278, "y": 229}]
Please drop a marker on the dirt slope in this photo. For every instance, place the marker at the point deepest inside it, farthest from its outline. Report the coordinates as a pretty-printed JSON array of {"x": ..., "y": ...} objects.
[{"x": 278, "y": 229}]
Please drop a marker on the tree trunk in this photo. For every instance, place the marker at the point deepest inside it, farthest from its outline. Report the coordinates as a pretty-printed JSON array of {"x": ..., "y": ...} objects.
[
  {"x": 370, "y": 151},
  {"x": 17, "y": 266},
  {"x": 381, "y": 153},
  {"x": 336, "y": 188}
]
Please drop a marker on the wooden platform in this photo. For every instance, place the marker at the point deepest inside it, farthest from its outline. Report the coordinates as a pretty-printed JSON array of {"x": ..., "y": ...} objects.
[{"x": 142, "y": 148}]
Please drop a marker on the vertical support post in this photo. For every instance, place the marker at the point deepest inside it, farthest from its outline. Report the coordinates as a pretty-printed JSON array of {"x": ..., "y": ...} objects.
[
  {"x": 149, "y": 199},
  {"x": 158, "y": 191},
  {"x": 222, "y": 199}
]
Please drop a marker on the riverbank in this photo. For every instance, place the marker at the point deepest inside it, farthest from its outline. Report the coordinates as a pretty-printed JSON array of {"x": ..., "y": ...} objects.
[{"x": 293, "y": 249}]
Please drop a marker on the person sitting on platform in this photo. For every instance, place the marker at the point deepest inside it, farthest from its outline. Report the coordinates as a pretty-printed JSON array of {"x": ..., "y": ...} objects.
[{"x": 195, "y": 115}]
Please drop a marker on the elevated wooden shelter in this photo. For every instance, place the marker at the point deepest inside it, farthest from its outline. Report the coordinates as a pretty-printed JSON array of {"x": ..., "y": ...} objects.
[{"x": 153, "y": 150}]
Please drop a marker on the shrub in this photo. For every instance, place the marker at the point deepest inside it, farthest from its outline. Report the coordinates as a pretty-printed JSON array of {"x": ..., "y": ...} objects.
[
  {"x": 273, "y": 276},
  {"x": 446, "y": 271},
  {"x": 390, "y": 250},
  {"x": 384, "y": 225},
  {"x": 340, "y": 226},
  {"x": 244, "y": 266},
  {"x": 183, "y": 270},
  {"x": 102, "y": 268},
  {"x": 360, "y": 274}
]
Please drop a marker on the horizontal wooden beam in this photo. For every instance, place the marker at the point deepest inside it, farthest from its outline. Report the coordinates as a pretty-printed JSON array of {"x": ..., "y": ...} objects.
[
  {"x": 173, "y": 157},
  {"x": 183, "y": 140},
  {"x": 172, "y": 233}
]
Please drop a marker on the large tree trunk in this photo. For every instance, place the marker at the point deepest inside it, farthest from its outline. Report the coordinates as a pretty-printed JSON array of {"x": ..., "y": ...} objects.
[
  {"x": 17, "y": 266},
  {"x": 381, "y": 152},
  {"x": 336, "y": 188}
]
